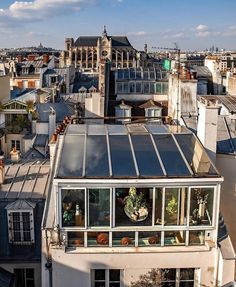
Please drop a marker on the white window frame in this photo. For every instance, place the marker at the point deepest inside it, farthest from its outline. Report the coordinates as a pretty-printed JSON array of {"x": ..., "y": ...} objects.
[
  {"x": 11, "y": 229},
  {"x": 160, "y": 228},
  {"x": 13, "y": 144},
  {"x": 107, "y": 275}
]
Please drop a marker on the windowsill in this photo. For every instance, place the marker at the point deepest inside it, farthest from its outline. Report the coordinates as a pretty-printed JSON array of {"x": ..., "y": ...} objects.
[{"x": 161, "y": 249}]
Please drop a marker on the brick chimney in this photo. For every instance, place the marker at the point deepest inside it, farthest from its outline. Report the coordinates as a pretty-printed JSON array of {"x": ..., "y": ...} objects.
[{"x": 207, "y": 124}]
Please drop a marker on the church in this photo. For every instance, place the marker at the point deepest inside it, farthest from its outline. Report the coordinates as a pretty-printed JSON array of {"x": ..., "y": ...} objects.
[{"x": 87, "y": 52}]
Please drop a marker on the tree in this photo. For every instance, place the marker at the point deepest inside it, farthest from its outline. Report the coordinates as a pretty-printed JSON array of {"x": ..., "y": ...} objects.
[{"x": 154, "y": 278}]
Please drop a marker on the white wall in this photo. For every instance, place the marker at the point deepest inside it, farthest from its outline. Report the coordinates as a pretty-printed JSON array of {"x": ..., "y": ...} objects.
[
  {"x": 226, "y": 165},
  {"x": 74, "y": 269}
]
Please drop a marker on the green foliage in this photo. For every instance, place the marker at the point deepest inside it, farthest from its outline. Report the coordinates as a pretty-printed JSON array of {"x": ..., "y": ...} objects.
[
  {"x": 134, "y": 201},
  {"x": 154, "y": 278},
  {"x": 172, "y": 206}
]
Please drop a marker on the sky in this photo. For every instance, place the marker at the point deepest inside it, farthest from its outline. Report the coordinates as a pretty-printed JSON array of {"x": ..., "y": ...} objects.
[{"x": 193, "y": 25}]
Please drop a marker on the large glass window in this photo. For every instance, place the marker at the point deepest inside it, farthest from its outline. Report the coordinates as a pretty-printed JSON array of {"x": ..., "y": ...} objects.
[
  {"x": 134, "y": 207},
  {"x": 106, "y": 277},
  {"x": 201, "y": 205},
  {"x": 73, "y": 207},
  {"x": 99, "y": 207},
  {"x": 175, "y": 206}
]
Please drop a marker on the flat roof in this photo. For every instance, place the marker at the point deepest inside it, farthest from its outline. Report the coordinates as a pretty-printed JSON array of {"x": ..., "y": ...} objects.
[{"x": 132, "y": 151}]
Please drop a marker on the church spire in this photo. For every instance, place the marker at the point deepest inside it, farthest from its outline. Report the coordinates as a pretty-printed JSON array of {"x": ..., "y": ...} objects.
[{"x": 104, "y": 33}]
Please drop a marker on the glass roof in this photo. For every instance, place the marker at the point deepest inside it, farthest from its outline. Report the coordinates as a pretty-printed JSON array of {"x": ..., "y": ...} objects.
[{"x": 131, "y": 151}]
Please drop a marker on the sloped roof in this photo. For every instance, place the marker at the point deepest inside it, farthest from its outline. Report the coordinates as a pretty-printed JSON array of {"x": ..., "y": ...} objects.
[
  {"x": 20, "y": 204},
  {"x": 100, "y": 151},
  {"x": 150, "y": 104},
  {"x": 86, "y": 41}
]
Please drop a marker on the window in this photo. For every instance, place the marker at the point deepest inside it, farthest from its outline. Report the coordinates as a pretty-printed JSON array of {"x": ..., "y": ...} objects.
[
  {"x": 99, "y": 207},
  {"x": 21, "y": 227},
  {"x": 15, "y": 144},
  {"x": 106, "y": 278},
  {"x": 153, "y": 112},
  {"x": 73, "y": 207},
  {"x": 24, "y": 277}
]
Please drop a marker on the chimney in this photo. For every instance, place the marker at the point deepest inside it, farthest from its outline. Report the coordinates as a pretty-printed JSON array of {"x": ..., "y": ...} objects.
[
  {"x": 52, "y": 122},
  {"x": 207, "y": 124},
  {"x": 19, "y": 58},
  {"x": 31, "y": 57},
  {"x": 45, "y": 59},
  {"x": 2, "y": 168}
]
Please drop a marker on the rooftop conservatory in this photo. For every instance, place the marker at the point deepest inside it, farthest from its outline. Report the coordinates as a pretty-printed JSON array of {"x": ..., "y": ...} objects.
[{"x": 135, "y": 185}]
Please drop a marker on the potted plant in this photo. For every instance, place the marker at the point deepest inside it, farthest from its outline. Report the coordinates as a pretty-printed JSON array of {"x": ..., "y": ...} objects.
[{"x": 135, "y": 206}]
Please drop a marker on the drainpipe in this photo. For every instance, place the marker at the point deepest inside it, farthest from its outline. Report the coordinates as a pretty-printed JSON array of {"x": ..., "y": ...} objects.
[{"x": 48, "y": 264}]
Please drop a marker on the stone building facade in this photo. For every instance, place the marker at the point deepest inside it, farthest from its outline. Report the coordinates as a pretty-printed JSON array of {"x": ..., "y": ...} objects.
[{"x": 87, "y": 52}]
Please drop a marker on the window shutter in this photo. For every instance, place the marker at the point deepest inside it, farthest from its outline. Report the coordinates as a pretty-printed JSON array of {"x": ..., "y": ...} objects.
[
  {"x": 32, "y": 226},
  {"x": 10, "y": 227}
]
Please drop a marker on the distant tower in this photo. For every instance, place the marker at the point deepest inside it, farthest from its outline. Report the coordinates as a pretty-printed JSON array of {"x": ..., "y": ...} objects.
[
  {"x": 69, "y": 43},
  {"x": 145, "y": 48},
  {"x": 104, "y": 33}
]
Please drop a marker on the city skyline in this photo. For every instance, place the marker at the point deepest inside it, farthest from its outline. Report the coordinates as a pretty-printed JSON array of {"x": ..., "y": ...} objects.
[{"x": 193, "y": 26}]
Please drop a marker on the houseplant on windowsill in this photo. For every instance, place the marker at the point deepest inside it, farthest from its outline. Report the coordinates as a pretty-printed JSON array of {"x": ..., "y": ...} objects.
[{"x": 135, "y": 206}]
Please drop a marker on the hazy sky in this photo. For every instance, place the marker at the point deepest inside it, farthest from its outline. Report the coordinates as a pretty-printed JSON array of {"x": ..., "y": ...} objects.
[{"x": 192, "y": 24}]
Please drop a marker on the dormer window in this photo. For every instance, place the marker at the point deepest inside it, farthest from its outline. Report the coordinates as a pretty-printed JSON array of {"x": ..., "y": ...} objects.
[
  {"x": 20, "y": 222},
  {"x": 153, "y": 110},
  {"x": 123, "y": 112}
]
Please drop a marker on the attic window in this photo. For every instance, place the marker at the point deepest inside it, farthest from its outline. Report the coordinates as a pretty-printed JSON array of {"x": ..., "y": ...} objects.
[
  {"x": 20, "y": 222},
  {"x": 20, "y": 227}
]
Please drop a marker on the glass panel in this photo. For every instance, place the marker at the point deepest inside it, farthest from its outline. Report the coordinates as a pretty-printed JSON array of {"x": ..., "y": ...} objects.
[
  {"x": 100, "y": 284},
  {"x": 96, "y": 156},
  {"x": 26, "y": 226},
  {"x": 114, "y": 284},
  {"x": 146, "y": 157},
  {"x": 201, "y": 205},
  {"x": 119, "y": 87},
  {"x": 187, "y": 274},
  {"x": 149, "y": 238},
  {"x": 96, "y": 129},
  {"x": 73, "y": 207},
  {"x": 120, "y": 74},
  {"x": 186, "y": 284},
  {"x": 138, "y": 74},
  {"x": 170, "y": 155},
  {"x": 125, "y": 88},
  {"x": 165, "y": 88},
  {"x": 99, "y": 274},
  {"x": 132, "y": 73},
  {"x": 98, "y": 239},
  {"x": 175, "y": 206},
  {"x": 158, "y": 206},
  {"x": 146, "y": 88},
  {"x": 126, "y": 73},
  {"x": 71, "y": 163},
  {"x": 138, "y": 87},
  {"x": 114, "y": 275},
  {"x": 123, "y": 239},
  {"x": 169, "y": 274},
  {"x": 195, "y": 154},
  {"x": 99, "y": 207},
  {"x": 116, "y": 129},
  {"x": 157, "y": 129},
  {"x": 121, "y": 156},
  {"x": 132, "y": 87},
  {"x": 158, "y": 88},
  {"x": 152, "y": 89},
  {"x": 196, "y": 237},
  {"x": 75, "y": 239},
  {"x": 134, "y": 206},
  {"x": 174, "y": 238}
]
